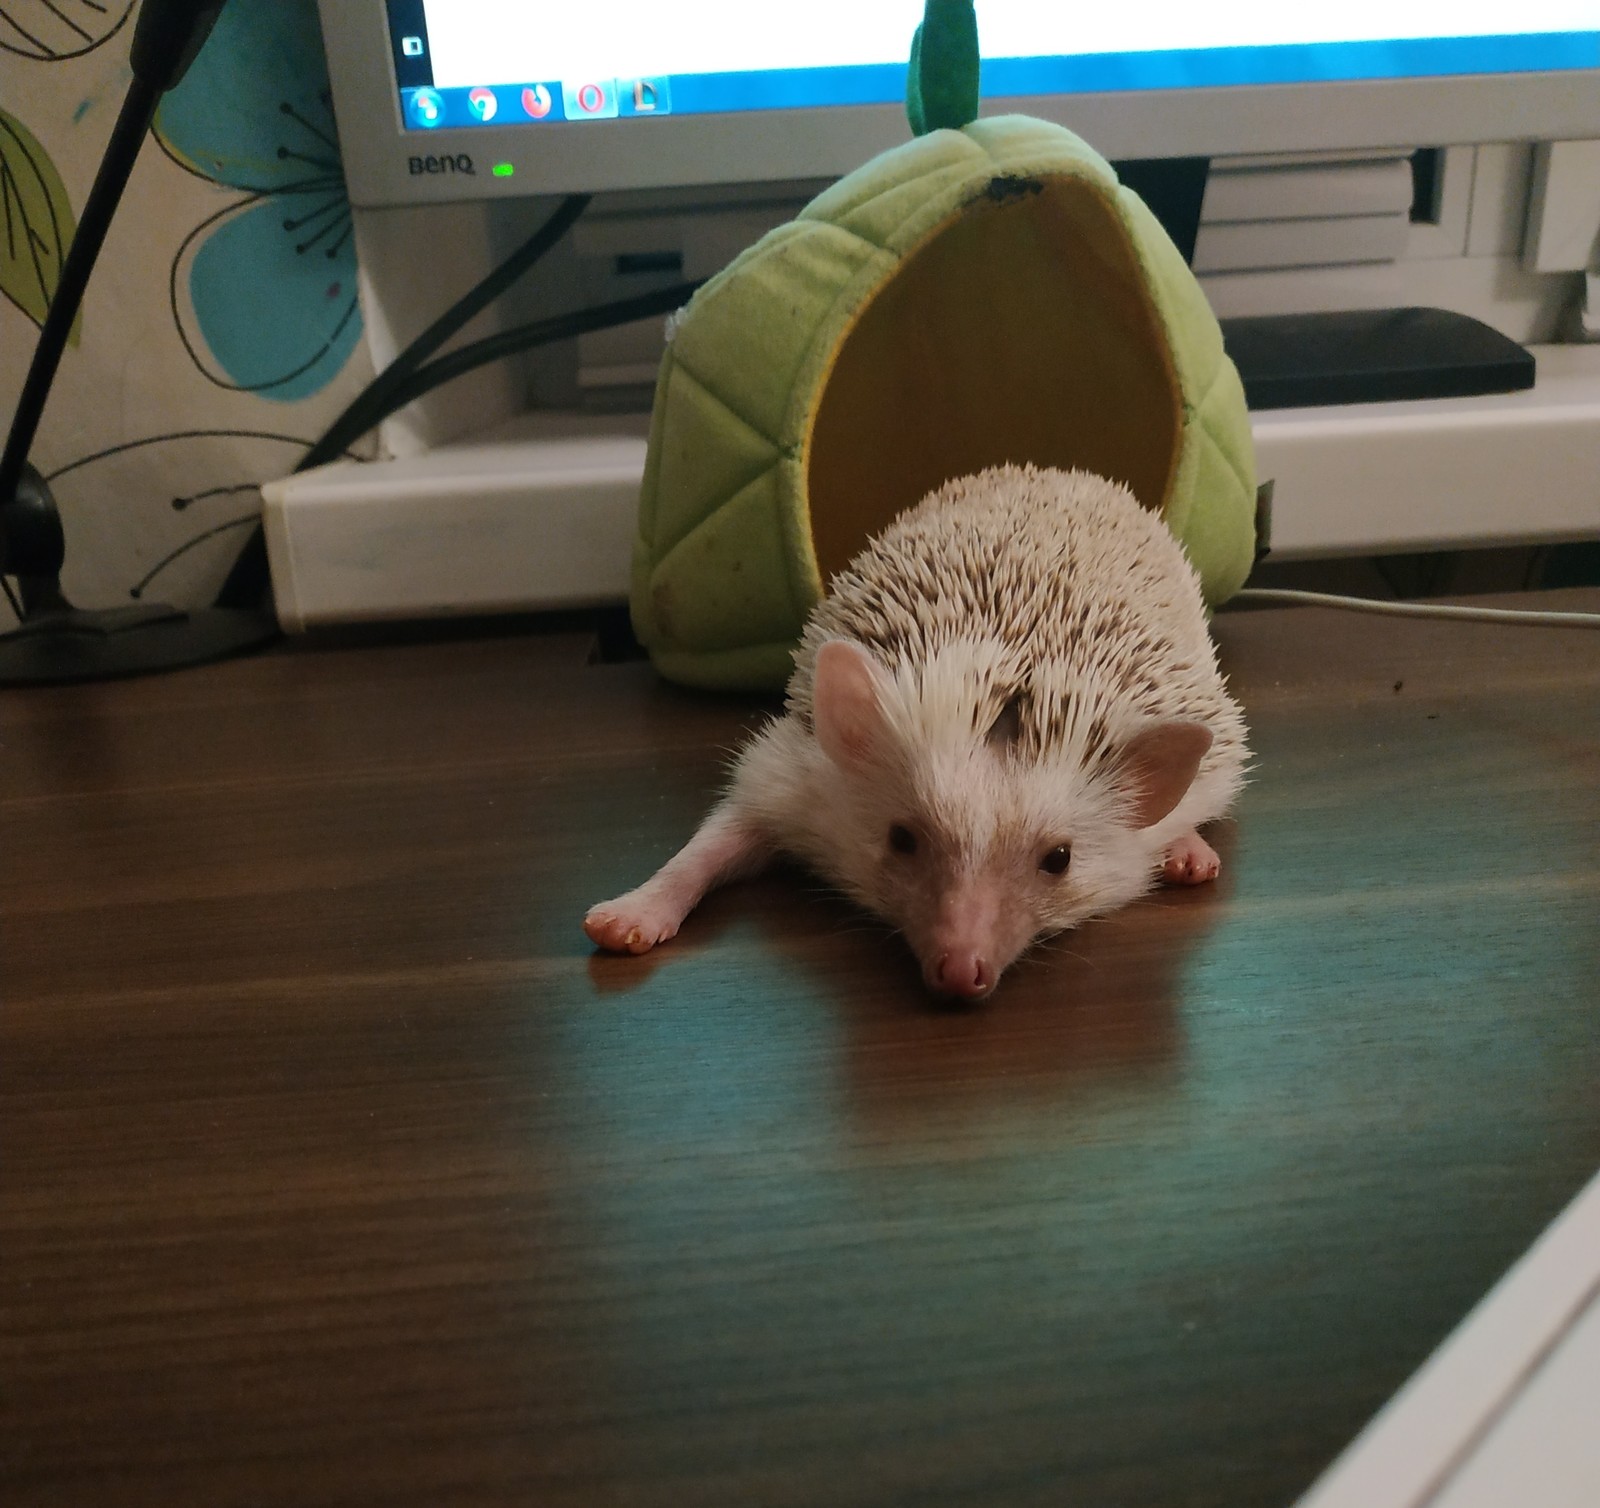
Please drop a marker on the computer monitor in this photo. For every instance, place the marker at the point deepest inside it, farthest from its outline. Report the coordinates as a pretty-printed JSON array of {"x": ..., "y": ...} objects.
[{"x": 462, "y": 99}]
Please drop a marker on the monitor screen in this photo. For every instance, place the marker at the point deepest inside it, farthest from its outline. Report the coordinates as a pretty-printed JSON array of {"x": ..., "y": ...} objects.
[
  {"x": 473, "y": 63},
  {"x": 451, "y": 99}
]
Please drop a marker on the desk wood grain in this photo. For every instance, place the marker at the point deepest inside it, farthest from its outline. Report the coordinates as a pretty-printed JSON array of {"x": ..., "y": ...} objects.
[{"x": 335, "y": 1168}]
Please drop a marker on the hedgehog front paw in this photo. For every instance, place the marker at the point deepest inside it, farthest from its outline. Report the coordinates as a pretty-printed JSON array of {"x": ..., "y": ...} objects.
[
  {"x": 633, "y": 923},
  {"x": 1190, "y": 860}
]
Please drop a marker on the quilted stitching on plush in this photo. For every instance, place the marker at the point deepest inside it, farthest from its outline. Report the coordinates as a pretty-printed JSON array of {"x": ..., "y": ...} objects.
[{"x": 724, "y": 569}]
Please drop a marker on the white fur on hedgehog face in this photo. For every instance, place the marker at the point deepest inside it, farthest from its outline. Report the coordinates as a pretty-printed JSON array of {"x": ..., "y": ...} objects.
[{"x": 955, "y": 838}]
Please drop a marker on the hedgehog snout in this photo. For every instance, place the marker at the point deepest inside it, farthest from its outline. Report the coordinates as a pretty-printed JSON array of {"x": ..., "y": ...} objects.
[{"x": 969, "y": 944}]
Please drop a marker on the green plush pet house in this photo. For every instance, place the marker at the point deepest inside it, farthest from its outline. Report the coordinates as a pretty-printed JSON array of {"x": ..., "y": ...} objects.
[{"x": 980, "y": 295}]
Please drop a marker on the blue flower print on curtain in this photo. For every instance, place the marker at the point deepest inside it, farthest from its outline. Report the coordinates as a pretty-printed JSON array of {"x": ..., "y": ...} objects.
[{"x": 264, "y": 290}]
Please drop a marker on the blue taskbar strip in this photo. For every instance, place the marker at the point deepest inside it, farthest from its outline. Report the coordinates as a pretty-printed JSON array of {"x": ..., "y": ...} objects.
[{"x": 523, "y": 103}]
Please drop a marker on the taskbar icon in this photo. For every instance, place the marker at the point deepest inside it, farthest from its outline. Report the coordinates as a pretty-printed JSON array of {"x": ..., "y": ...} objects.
[
  {"x": 425, "y": 107},
  {"x": 605, "y": 99}
]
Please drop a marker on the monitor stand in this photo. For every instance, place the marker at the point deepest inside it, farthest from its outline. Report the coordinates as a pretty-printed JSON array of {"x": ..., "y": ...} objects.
[{"x": 1173, "y": 189}]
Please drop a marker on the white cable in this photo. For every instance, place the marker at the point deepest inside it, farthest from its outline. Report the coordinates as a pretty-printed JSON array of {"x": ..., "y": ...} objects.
[{"x": 1508, "y": 615}]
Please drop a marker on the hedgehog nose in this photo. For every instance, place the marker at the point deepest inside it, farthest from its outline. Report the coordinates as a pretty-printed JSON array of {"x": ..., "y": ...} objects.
[{"x": 965, "y": 974}]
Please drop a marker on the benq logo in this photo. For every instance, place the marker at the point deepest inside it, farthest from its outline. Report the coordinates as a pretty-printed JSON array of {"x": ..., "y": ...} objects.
[{"x": 461, "y": 162}]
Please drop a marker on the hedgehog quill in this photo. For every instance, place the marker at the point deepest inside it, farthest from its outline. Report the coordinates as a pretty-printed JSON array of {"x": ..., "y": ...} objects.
[{"x": 1005, "y": 717}]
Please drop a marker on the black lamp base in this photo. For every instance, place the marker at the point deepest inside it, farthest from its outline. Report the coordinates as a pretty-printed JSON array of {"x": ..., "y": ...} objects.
[{"x": 77, "y": 644}]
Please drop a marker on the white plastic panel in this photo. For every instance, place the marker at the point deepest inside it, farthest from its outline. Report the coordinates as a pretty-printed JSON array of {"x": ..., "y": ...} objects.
[{"x": 540, "y": 513}]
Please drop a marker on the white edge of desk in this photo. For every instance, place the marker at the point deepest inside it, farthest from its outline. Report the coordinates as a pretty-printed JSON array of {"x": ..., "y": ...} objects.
[{"x": 1425, "y": 1442}]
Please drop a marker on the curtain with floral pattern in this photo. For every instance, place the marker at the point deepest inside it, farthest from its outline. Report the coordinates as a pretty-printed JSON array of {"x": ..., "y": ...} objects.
[{"x": 221, "y": 331}]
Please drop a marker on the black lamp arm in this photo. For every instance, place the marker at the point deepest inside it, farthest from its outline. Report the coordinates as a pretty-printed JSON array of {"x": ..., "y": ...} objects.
[{"x": 166, "y": 38}]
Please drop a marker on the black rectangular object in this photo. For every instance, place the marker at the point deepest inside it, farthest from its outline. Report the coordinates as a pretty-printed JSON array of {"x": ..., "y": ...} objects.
[{"x": 1372, "y": 356}]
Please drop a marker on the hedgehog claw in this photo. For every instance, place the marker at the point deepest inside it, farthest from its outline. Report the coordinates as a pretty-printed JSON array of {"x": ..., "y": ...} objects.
[
  {"x": 631, "y": 924},
  {"x": 1190, "y": 860}
]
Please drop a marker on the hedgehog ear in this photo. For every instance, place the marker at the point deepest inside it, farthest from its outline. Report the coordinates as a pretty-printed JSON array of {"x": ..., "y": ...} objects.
[
  {"x": 1158, "y": 765},
  {"x": 1006, "y": 729},
  {"x": 844, "y": 703}
]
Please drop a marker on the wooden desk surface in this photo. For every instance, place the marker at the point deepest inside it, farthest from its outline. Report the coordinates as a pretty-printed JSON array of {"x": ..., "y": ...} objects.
[{"x": 335, "y": 1168}]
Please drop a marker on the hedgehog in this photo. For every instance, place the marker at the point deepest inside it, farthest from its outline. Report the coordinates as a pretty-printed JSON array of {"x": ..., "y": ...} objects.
[{"x": 1005, "y": 717}]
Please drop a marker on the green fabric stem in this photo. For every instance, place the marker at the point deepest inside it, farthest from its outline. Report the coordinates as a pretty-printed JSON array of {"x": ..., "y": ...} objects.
[{"x": 942, "y": 83}]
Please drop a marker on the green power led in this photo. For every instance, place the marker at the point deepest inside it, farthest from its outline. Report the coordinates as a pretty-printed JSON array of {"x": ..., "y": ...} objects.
[{"x": 502, "y": 169}]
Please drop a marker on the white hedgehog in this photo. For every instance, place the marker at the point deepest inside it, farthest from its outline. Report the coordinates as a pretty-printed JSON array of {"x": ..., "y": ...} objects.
[{"x": 1006, "y": 717}]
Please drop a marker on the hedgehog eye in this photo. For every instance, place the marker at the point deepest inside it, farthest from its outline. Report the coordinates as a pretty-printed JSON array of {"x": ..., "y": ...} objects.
[
  {"x": 902, "y": 840},
  {"x": 1057, "y": 859}
]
